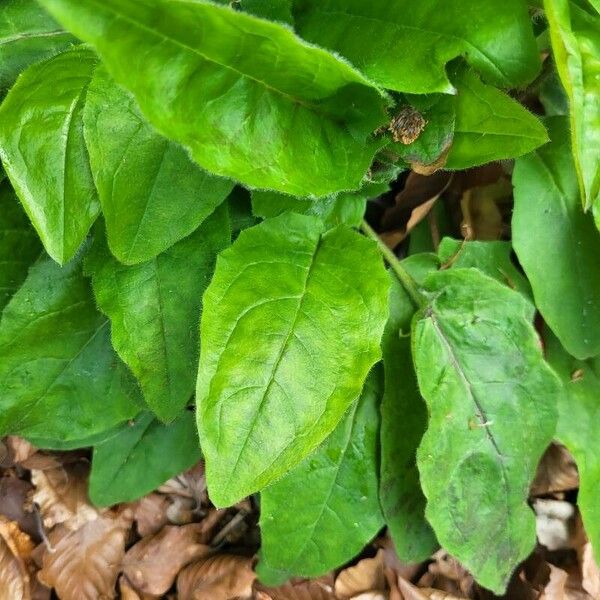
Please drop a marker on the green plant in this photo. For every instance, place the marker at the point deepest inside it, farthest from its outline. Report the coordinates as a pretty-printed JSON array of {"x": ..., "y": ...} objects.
[{"x": 349, "y": 396}]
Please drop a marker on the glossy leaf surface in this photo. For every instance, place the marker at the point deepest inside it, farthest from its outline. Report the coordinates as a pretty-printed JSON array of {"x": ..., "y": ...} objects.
[
  {"x": 403, "y": 423},
  {"x": 557, "y": 244},
  {"x": 141, "y": 457},
  {"x": 152, "y": 194},
  {"x": 247, "y": 97},
  {"x": 290, "y": 328},
  {"x": 28, "y": 34},
  {"x": 575, "y": 35},
  {"x": 405, "y": 45},
  {"x": 490, "y": 125},
  {"x": 19, "y": 244},
  {"x": 578, "y": 418},
  {"x": 154, "y": 308},
  {"x": 44, "y": 153},
  {"x": 492, "y": 413},
  {"x": 323, "y": 511},
  {"x": 59, "y": 376}
]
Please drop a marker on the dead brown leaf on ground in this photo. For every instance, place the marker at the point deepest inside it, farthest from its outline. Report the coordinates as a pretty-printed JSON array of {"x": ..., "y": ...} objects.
[
  {"x": 557, "y": 472},
  {"x": 152, "y": 564},
  {"x": 84, "y": 564},
  {"x": 366, "y": 576},
  {"x": 220, "y": 577},
  {"x": 310, "y": 589},
  {"x": 61, "y": 494}
]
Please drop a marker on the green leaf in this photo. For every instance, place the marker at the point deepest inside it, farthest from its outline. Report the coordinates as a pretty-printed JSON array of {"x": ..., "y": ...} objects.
[
  {"x": 403, "y": 422},
  {"x": 136, "y": 171},
  {"x": 490, "y": 125},
  {"x": 247, "y": 97},
  {"x": 323, "y": 512},
  {"x": 154, "y": 308},
  {"x": 60, "y": 378},
  {"x": 141, "y": 457},
  {"x": 557, "y": 244},
  {"x": 490, "y": 257},
  {"x": 275, "y": 10},
  {"x": 492, "y": 413},
  {"x": 44, "y": 153},
  {"x": 84, "y": 442},
  {"x": 27, "y": 35},
  {"x": 405, "y": 45},
  {"x": 290, "y": 328},
  {"x": 575, "y": 35},
  {"x": 344, "y": 208},
  {"x": 19, "y": 245},
  {"x": 578, "y": 416}
]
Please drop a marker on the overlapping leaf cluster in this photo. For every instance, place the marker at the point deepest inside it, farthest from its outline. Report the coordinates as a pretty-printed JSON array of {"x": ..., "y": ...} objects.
[{"x": 142, "y": 280}]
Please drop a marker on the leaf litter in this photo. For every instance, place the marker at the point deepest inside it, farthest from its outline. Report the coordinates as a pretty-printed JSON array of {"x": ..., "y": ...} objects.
[{"x": 174, "y": 544}]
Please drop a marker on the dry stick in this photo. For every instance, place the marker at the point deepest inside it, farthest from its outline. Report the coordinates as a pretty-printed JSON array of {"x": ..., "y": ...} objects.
[{"x": 408, "y": 283}]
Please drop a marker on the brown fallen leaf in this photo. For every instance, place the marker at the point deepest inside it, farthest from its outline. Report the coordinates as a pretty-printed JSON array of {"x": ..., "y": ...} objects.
[
  {"x": 370, "y": 596},
  {"x": 366, "y": 576},
  {"x": 19, "y": 449},
  {"x": 14, "y": 495},
  {"x": 557, "y": 472},
  {"x": 309, "y": 589},
  {"x": 61, "y": 494},
  {"x": 152, "y": 564},
  {"x": 555, "y": 588},
  {"x": 590, "y": 572},
  {"x": 418, "y": 190},
  {"x": 15, "y": 550},
  {"x": 150, "y": 513},
  {"x": 220, "y": 577},
  {"x": 84, "y": 564},
  {"x": 447, "y": 575},
  {"x": 127, "y": 592},
  {"x": 482, "y": 218}
]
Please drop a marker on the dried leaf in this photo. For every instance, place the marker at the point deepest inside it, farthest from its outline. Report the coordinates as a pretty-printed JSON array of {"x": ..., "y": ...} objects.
[
  {"x": 15, "y": 549},
  {"x": 590, "y": 572},
  {"x": 220, "y": 577},
  {"x": 555, "y": 589},
  {"x": 152, "y": 564},
  {"x": 482, "y": 219},
  {"x": 366, "y": 576},
  {"x": 313, "y": 589},
  {"x": 370, "y": 596},
  {"x": 150, "y": 513},
  {"x": 19, "y": 449},
  {"x": 126, "y": 590},
  {"x": 61, "y": 494},
  {"x": 557, "y": 472},
  {"x": 14, "y": 495},
  {"x": 85, "y": 563}
]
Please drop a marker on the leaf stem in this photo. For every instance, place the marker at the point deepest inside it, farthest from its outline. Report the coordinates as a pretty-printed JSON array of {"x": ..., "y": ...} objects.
[{"x": 408, "y": 283}]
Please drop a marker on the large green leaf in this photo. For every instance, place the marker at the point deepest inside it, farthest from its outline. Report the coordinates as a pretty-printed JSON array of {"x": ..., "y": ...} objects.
[
  {"x": 490, "y": 125},
  {"x": 290, "y": 328},
  {"x": 154, "y": 308},
  {"x": 405, "y": 45},
  {"x": 322, "y": 512},
  {"x": 403, "y": 422},
  {"x": 557, "y": 244},
  {"x": 250, "y": 100},
  {"x": 44, "y": 153},
  {"x": 578, "y": 418},
  {"x": 59, "y": 376},
  {"x": 27, "y": 35},
  {"x": 344, "y": 208},
  {"x": 19, "y": 245},
  {"x": 492, "y": 413},
  {"x": 575, "y": 35},
  {"x": 491, "y": 257},
  {"x": 142, "y": 457},
  {"x": 152, "y": 194}
]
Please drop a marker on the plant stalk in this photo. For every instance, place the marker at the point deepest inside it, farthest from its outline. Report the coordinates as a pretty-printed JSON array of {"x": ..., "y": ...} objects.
[{"x": 405, "y": 278}]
